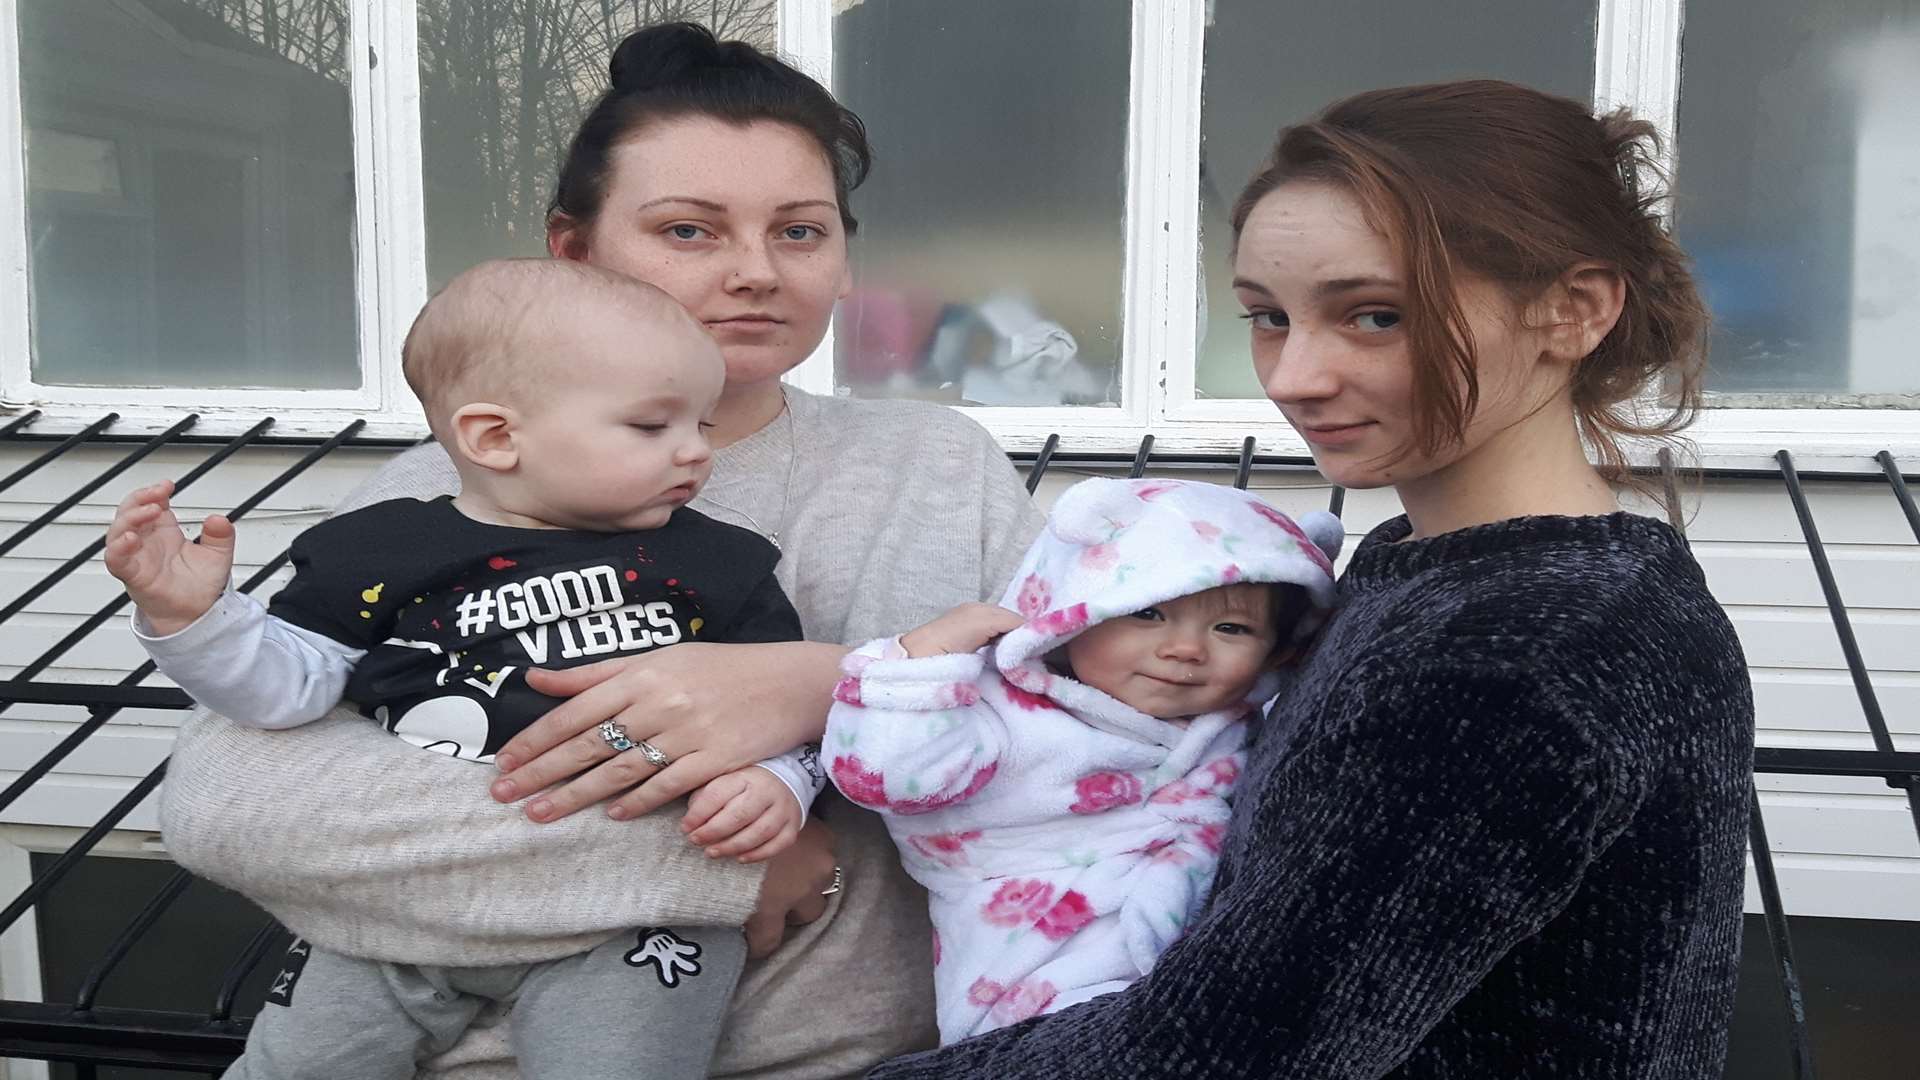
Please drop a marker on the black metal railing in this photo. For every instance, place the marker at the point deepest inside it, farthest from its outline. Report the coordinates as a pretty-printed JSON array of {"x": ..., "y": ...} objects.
[{"x": 204, "y": 1040}]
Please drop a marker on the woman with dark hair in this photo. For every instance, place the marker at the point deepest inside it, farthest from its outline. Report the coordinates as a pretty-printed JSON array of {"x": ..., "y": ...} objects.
[
  {"x": 721, "y": 176},
  {"x": 1494, "y": 825}
]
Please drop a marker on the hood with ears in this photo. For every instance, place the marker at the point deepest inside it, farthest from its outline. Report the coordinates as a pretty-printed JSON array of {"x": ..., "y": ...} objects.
[{"x": 1113, "y": 547}]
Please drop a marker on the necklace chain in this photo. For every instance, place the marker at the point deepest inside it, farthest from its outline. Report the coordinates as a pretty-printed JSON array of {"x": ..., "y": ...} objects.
[{"x": 786, "y": 490}]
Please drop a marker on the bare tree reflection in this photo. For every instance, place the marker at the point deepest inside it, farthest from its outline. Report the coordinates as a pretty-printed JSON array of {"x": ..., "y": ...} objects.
[{"x": 503, "y": 83}]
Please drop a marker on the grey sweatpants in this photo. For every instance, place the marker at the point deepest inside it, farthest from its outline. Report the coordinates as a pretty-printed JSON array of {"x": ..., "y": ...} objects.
[{"x": 644, "y": 1006}]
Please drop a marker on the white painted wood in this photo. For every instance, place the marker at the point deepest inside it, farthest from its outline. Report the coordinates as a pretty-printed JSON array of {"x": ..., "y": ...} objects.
[
  {"x": 806, "y": 42},
  {"x": 391, "y": 195},
  {"x": 1637, "y": 61},
  {"x": 16, "y": 281},
  {"x": 19, "y": 951},
  {"x": 1842, "y": 887},
  {"x": 1160, "y": 317}
]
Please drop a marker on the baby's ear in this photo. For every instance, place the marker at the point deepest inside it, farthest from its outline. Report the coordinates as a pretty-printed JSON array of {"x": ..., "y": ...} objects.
[
  {"x": 1326, "y": 531},
  {"x": 1086, "y": 512},
  {"x": 483, "y": 433}
]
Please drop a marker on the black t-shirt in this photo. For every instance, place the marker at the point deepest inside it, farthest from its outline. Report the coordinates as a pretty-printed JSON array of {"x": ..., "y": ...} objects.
[{"x": 452, "y": 611}]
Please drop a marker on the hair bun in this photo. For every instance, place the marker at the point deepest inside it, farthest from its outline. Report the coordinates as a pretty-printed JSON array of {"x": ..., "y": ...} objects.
[{"x": 662, "y": 55}]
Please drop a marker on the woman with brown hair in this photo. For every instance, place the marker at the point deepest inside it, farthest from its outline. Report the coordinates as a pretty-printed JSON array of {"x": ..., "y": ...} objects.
[{"x": 1494, "y": 825}]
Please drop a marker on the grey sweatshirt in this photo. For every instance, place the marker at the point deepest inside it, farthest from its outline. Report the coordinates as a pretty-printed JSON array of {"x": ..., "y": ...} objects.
[{"x": 889, "y": 513}]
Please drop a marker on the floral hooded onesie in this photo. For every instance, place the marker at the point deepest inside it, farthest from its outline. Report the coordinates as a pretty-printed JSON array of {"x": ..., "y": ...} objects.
[{"x": 1065, "y": 839}]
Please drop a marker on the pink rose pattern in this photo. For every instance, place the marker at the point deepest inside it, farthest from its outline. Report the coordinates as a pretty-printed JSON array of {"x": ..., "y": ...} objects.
[
  {"x": 1027, "y": 699},
  {"x": 927, "y": 804},
  {"x": 1174, "y": 855},
  {"x": 1065, "y": 918},
  {"x": 1207, "y": 530},
  {"x": 1100, "y": 556},
  {"x": 1061, "y": 622},
  {"x": 1287, "y": 526},
  {"x": 1212, "y": 781},
  {"x": 1172, "y": 794},
  {"x": 1023, "y": 1000},
  {"x": 948, "y": 849},
  {"x": 857, "y": 782},
  {"x": 984, "y": 992},
  {"x": 1035, "y": 596},
  {"x": 1211, "y": 837},
  {"x": 1103, "y": 791},
  {"x": 1017, "y": 902},
  {"x": 1152, "y": 488},
  {"x": 956, "y": 695},
  {"x": 847, "y": 690},
  {"x": 936, "y": 948},
  {"x": 1223, "y": 772}
]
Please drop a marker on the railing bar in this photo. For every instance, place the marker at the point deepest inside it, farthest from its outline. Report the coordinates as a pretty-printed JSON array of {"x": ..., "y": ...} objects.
[
  {"x": 1243, "y": 472},
  {"x": 58, "y": 449},
  {"x": 1670, "y": 491},
  {"x": 19, "y": 422},
  {"x": 1140, "y": 457},
  {"x": 1781, "y": 941},
  {"x": 97, "y": 483},
  {"x": 306, "y": 462},
  {"x": 100, "y": 716},
  {"x": 69, "y": 858},
  {"x": 1337, "y": 502},
  {"x": 1843, "y": 626},
  {"x": 243, "y": 966},
  {"x": 1900, "y": 490},
  {"x": 31, "y": 692},
  {"x": 1040, "y": 463},
  {"x": 55, "y": 756},
  {"x": 59, "y": 573},
  {"x": 1782, "y": 759},
  {"x": 1836, "y": 607},
  {"x": 129, "y": 936}
]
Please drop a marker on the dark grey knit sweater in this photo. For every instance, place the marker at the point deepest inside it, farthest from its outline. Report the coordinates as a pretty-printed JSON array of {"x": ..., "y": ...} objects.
[{"x": 1493, "y": 828}]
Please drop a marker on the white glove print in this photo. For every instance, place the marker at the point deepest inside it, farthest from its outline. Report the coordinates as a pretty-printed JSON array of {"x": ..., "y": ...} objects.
[{"x": 670, "y": 956}]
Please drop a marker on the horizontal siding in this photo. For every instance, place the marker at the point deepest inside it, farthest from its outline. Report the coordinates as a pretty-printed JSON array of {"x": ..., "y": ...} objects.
[{"x": 1844, "y": 847}]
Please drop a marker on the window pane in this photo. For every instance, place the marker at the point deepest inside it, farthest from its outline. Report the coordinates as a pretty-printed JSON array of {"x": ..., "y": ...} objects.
[
  {"x": 189, "y": 192},
  {"x": 1269, "y": 65},
  {"x": 1798, "y": 178},
  {"x": 503, "y": 85},
  {"x": 988, "y": 264}
]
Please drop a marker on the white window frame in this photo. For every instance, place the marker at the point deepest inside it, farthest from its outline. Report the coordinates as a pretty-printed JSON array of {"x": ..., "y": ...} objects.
[{"x": 1637, "y": 63}]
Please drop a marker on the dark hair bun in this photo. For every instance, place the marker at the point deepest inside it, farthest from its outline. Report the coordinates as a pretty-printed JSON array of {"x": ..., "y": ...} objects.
[
  {"x": 681, "y": 69},
  {"x": 663, "y": 55}
]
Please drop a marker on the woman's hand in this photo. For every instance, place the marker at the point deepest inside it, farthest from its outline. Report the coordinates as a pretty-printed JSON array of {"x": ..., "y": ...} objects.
[
  {"x": 790, "y": 894},
  {"x": 709, "y": 708}
]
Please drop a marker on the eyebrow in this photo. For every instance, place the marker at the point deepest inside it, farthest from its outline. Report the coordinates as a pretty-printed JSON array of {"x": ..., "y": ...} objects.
[
  {"x": 656, "y": 401},
  {"x": 704, "y": 204},
  {"x": 1321, "y": 290},
  {"x": 719, "y": 208}
]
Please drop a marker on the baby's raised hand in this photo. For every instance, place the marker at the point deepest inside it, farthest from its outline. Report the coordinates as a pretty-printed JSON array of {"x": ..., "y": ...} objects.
[
  {"x": 963, "y": 630},
  {"x": 172, "y": 580},
  {"x": 748, "y": 813}
]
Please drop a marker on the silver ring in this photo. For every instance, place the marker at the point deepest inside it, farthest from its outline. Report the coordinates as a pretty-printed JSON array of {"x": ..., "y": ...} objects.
[
  {"x": 615, "y": 737},
  {"x": 839, "y": 879},
  {"x": 654, "y": 755}
]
